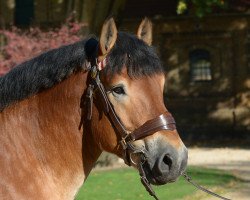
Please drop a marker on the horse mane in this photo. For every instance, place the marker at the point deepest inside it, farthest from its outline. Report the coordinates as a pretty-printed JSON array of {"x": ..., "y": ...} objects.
[
  {"x": 41, "y": 72},
  {"x": 50, "y": 68}
]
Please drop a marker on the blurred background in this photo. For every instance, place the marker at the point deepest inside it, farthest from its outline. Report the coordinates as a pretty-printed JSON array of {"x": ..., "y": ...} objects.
[{"x": 204, "y": 46}]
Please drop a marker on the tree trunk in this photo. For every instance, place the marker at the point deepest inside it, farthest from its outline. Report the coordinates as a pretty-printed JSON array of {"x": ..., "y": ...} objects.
[
  {"x": 94, "y": 12},
  {"x": 87, "y": 11},
  {"x": 69, "y": 7}
]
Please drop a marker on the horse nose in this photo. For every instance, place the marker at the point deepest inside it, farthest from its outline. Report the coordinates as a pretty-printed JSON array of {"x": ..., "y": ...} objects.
[
  {"x": 164, "y": 164},
  {"x": 169, "y": 164}
]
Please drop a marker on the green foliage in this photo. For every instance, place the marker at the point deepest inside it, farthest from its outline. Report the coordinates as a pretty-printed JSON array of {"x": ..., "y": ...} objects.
[
  {"x": 124, "y": 184},
  {"x": 201, "y": 7},
  {"x": 181, "y": 7}
]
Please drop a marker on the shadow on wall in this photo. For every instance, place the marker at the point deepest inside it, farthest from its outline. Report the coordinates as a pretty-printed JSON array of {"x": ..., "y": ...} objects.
[{"x": 208, "y": 95}]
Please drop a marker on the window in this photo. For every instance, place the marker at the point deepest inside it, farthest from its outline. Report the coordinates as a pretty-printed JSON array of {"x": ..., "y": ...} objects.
[{"x": 200, "y": 65}]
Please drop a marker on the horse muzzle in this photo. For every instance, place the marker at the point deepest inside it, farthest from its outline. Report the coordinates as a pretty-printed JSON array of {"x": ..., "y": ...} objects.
[{"x": 163, "y": 163}]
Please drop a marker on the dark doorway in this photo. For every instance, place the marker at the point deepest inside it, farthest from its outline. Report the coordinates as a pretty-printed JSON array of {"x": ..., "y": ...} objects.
[{"x": 24, "y": 12}]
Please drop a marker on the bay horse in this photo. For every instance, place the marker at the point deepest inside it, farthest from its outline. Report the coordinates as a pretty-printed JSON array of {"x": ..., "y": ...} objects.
[{"x": 50, "y": 137}]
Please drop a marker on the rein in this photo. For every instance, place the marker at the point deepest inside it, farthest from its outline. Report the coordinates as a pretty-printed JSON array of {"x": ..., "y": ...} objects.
[
  {"x": 189, "y": 179},
  {"x": 165, "y": 121}
]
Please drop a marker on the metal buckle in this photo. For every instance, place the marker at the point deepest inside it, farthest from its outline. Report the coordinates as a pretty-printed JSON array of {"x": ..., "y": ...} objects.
[
  {"x": 124, "y": 143},
  {"x": 140, "y": 159}
]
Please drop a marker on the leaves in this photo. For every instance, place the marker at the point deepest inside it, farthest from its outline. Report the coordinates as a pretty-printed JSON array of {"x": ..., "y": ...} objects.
[
  {"x": 181, "y": 7},
  {"x": 23, "y": 45},
  {"x": 201, "y": 7}
]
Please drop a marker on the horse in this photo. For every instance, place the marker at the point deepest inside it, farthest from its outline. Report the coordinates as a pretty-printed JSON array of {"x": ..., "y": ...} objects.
[{"x": 55, "y": 116}]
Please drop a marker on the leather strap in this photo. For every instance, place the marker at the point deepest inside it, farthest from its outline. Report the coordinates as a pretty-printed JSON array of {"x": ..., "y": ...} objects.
[
  {"x": 163, "y": 122},
  {"x": 145, "y": 181},
  {"x": 109, "y": 110}
]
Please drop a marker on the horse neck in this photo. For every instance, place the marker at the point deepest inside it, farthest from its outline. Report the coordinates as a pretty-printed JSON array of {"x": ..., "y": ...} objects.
[
  {"x": 59, "y": 148},
  {"x": 63, "y": 113},
  {"x": 77, "y": 148}
]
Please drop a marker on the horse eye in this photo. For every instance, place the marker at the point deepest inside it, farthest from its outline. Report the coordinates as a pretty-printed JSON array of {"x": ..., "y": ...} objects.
[{"x": 118, "y": 90}]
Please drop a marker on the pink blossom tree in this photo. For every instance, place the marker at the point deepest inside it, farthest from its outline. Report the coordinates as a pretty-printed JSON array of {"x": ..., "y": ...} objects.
[{"x": 23, "y": 45}]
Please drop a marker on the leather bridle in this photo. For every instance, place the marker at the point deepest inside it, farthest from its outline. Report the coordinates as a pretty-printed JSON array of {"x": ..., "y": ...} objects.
[{"x": 164, "y": 121}]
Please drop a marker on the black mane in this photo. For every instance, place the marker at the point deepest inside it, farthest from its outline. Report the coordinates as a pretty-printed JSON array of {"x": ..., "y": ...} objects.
[
  {"x": 40, "y": 73},
  {"x": 52, "y": 67}
]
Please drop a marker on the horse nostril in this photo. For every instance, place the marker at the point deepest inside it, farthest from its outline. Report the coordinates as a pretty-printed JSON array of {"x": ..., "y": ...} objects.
[
  {"x": 167, "y": 161},
  {"x": 164, "y": 164}
]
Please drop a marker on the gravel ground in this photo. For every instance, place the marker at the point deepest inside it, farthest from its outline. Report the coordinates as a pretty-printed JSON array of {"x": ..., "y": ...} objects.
[{"x": 236, "y": 161}]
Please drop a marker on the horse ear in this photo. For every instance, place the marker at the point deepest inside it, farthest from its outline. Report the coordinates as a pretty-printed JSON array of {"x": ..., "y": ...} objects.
[
  {"x": 145, "y": 31},
  {"x": 108, "y": 37}
]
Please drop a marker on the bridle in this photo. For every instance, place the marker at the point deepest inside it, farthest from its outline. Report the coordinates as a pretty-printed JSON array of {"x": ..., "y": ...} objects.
[{"x": 165, "y": 121}]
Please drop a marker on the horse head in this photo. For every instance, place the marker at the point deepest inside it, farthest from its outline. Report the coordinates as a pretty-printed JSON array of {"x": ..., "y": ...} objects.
[{"x": 133, "y": 81}]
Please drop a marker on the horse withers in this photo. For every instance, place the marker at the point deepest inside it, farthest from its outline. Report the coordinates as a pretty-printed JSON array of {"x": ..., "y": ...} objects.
[{"x": 49, "y": 143}]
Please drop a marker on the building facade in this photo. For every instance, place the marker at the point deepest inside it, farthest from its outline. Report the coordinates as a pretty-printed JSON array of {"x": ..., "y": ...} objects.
[{"x": 207, "y": 64}]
